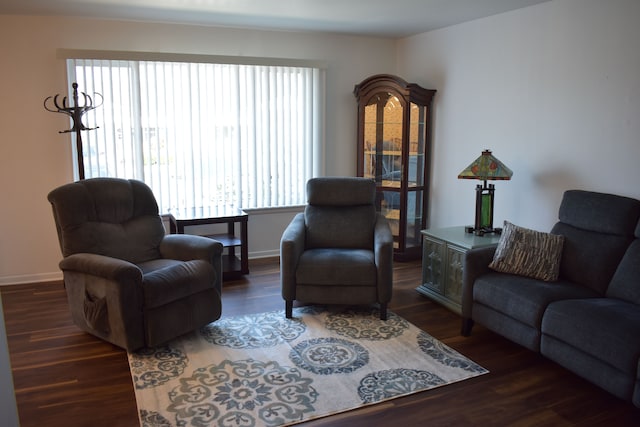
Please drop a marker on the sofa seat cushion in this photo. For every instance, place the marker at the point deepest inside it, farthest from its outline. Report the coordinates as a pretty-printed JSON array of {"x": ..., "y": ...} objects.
[
  {"x": 165, "y": 281},
  {"x": 604, "y": 328},
  {"x": 350, "y": 267},
  {"x": 523, "y": 298}
]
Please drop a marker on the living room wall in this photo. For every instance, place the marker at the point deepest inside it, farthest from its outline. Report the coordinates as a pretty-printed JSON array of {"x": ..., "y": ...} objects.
[
  {"x": 553, "y": 90},
  {"x": 34, "y": 158}
]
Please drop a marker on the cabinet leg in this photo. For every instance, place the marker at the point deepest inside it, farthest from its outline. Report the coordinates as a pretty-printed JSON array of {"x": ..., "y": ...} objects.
[{"x": 467, "y": 325}]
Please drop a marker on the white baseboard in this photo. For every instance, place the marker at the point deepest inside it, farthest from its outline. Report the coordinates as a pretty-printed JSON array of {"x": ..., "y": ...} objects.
[
  {"x": 30, "y": 278},
  {"x": 264, "y": 254},
  {"x": 57, "y": 276}
]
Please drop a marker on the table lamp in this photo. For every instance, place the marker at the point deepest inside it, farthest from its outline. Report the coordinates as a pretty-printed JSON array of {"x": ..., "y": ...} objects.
[{"x": 485, "y": 168}]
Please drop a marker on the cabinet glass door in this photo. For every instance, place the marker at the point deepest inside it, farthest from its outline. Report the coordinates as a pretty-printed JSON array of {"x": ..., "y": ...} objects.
[
  {"x": 414, "y": 218},
  {"x": 383, "y": 139},
  {"x": 415, "y": 174},
  {"x": 417, "y": 138},
  {"x": 383, "y": 125}
]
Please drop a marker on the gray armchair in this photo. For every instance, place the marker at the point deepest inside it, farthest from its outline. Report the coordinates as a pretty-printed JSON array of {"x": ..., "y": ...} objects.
[
  {"x": 126, "y": 282},
  {"x": 340, "y": 250}
]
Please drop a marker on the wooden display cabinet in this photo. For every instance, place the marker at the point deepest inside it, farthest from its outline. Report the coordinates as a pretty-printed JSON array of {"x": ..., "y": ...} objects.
[{"x": 394, "y": 132}]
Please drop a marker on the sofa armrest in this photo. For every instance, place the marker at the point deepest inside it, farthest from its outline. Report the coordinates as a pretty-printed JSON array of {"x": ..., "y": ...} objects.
[
  {"x": 292, "y": 245},
  {"x": 476, "y": 263},
  {"x": 383, "y": 253}
]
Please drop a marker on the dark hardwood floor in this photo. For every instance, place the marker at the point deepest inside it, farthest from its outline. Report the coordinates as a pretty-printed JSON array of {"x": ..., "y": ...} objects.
[{"x": 64, "y": 377}]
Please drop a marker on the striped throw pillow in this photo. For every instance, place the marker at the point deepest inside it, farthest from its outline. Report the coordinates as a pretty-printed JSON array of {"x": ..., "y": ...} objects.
[{"x": 528, "y": 253}]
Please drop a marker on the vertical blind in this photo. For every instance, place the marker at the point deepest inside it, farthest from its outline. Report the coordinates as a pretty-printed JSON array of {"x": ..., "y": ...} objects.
[{"x": 203, "y": 134}]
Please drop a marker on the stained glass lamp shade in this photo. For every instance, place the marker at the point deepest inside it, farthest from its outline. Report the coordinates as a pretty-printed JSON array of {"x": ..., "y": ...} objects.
[{"x": 485, "y": 168}]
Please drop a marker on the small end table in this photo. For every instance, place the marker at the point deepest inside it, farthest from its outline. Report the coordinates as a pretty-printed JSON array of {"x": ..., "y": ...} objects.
[
  {"x": 232, "y": 266},
  {"x": 443, "y": 252}
]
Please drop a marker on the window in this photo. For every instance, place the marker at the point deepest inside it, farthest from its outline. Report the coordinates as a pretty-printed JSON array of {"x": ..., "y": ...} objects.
[{"x": 204, "y": 134}]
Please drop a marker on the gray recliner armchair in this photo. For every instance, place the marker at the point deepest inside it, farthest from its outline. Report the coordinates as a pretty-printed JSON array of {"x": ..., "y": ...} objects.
[
  {"x": 340, "y": 250},
  {"x": 126, "y": 281}
]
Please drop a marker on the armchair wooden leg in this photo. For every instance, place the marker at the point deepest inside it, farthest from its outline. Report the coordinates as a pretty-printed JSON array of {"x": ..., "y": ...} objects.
[
  {"x": 288, "y": 309},
  {"x": 383, "y": 311},
  {"x": 467, "y": 325}
]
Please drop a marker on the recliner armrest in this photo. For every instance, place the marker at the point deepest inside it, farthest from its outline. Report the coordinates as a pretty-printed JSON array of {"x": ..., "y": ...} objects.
[
  {"x": 292, "y": 245},
  {"x": 102, "y": 266},
  {"x": 383, "y": 253},
  {"x": 476, "y": 263},
  {"x": 187, "y": 247}
]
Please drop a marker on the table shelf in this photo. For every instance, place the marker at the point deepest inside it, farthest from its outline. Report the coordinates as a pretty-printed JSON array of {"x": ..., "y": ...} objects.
[
  {"x": 232, "y": 265},
  {"x": 227, "y": 240}
]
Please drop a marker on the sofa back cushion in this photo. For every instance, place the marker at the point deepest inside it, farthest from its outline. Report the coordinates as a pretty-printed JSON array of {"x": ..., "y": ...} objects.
[
  {"x": 625, "y": 284},
  {"x": 600, "y": 212},
  {"x": 340, "y": 213},
  {"x": 598, "y": 229}
]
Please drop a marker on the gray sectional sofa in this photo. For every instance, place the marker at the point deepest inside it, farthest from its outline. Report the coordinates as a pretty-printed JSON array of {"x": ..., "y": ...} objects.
[{"x": 588, "y": 318}]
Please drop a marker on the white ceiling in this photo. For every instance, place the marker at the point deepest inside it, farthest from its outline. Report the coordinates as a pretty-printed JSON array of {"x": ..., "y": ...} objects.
[{"x": 386, "y": 18}]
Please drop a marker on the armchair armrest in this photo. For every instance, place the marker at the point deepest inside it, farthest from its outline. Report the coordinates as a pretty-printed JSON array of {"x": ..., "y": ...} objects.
[
  {"x": 476, "y": 263},
  {"x": 383, "y": 253},
  {"x": 292, "y": 245},
  {"x": 102, "y": 266},
  {"x": 187, "y": 247}
]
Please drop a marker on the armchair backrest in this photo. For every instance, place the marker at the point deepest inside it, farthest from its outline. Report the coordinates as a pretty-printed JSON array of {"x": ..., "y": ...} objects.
[
  {"x": 340, "y": 213},
  {"x": 596, "y": 226},
  {"x": 108, "y": 216}
]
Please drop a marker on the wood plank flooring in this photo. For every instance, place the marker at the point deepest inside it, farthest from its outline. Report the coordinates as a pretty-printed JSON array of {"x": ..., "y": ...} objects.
[{"x": 64, "y": 377}]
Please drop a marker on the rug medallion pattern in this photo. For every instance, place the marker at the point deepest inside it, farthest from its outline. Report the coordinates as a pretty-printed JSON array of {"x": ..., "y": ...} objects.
[{"x": 266, "y": 370}]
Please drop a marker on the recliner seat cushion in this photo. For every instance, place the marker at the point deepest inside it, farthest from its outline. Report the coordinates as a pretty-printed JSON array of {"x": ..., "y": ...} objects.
[
  {"x": 605, "y": 328},
  {"x": 337, "y": 266},
  {"x": 176, "y": 281}
]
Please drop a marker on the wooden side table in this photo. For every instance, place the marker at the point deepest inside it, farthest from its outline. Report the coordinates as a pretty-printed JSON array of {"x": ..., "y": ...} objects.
[
  {"x": 443, "y": 252},
  {"x": 232, "y": 266}
]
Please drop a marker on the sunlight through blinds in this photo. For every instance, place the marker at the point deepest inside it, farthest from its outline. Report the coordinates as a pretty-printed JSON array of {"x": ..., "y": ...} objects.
[{"x": 203, "y": 134}]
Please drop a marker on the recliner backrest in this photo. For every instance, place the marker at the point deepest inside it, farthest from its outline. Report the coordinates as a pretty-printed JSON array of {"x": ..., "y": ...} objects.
[
  {"x": 340, "y": 213},
  {"x": 598, "y": 228},
  {"x": 108, "y": 216}
]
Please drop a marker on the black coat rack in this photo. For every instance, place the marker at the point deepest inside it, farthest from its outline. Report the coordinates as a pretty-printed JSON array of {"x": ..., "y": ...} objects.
[{"x": 75, "y": 111}]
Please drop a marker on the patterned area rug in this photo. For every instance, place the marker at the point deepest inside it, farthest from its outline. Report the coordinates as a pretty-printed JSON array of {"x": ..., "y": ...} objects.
[{"x": 266, "y": 370}]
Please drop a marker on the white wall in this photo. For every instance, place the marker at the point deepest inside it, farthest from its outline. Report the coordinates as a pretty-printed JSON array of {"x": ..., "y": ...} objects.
[
  {"x": 553, "y": 90},
  {"x": 34, "y": 158}
]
